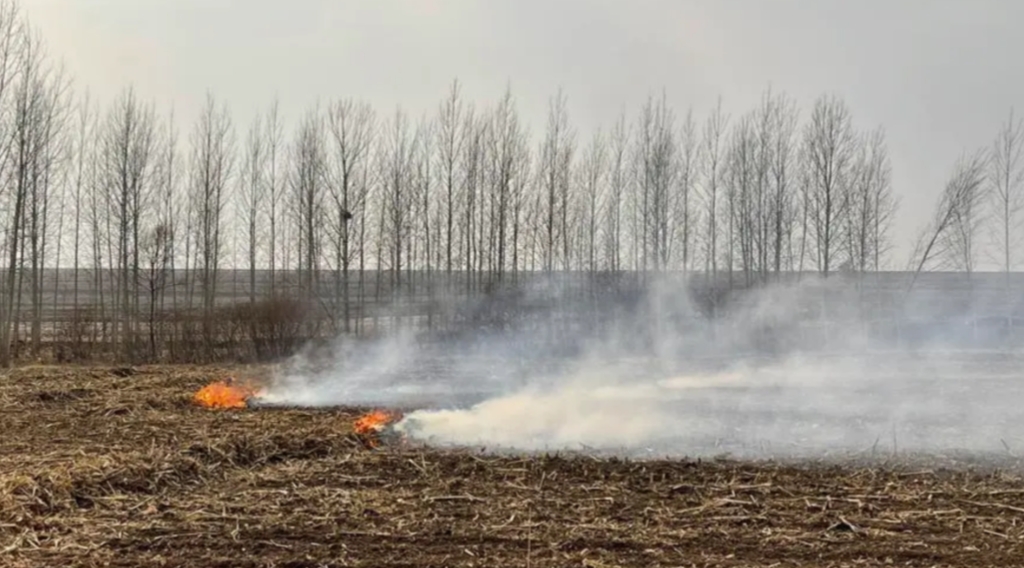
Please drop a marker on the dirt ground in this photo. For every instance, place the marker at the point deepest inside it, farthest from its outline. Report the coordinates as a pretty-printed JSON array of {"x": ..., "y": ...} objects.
[{"x": 106, "y": 468}]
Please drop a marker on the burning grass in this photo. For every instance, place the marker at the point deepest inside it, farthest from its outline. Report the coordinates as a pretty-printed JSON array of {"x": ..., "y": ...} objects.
[
  {"x": 225, "y": 394},
  {"x": 130, "y": 471},
  {"x": 370, "y": 426}
]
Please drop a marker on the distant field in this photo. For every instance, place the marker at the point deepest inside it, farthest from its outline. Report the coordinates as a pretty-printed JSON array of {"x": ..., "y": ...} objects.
[
  {"x": 991, "y": 293},
  {"x": 978, "y": 311}
]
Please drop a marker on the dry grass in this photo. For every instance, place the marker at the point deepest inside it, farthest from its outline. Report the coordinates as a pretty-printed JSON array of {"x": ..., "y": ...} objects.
[{"x": 98, "y": 469}]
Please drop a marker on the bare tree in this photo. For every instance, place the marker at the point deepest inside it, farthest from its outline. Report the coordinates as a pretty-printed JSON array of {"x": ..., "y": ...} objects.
[
  {"x": 804, "y": 180},
  {"x": 522, "y": 190},
  {"x": 871, "y": 204},
  {"x": 210, "y": 177},
  {"x": 784, "y": 122},
  {"x": 451, "y": 135},
  {"x": 307, "y": 184},
  {"x": 473, "y": 161},
  {"x": 830, "y": 145},
  {"x": 687, "y": 174},
  {"x": 711, "y": 172},
  {"x": 592, "y": 174},
  {"x": 423, "y": 190},
  {"x": 943, "y": 241},
  {"x": 351, "y": 127},
  {"x": 760, "y": 198},
  {"x": 157, "y": 249},
  {"x": 12, "y": 52},
  {"x": 960, "y": 241},
  {"x": 618, "y": 180},
  {"x": 769, "y": 202},
  {"x": 1007, "y": 189},
  {"x": 83, "y": 149},
  {"x": 885, "y": 202},
  {"x": 252, "y": 192},
  {"x": 744, "y": 216},
  {"x": 162, "y": 242},
  {"x": 503, "y": 145},
  {"x": 127, "y": 150},
  {"x": 555, "y": 165},
  {"x": 99, "y": 231},
  {"x": 40, "y": 119},
  {"x": 395, "y": 162},
  {"x": 56, "y": 176},
  {"x": 365, "y": 184},
  {"x": 274, "y": 194},
  {"x": 656, "y": 170}
]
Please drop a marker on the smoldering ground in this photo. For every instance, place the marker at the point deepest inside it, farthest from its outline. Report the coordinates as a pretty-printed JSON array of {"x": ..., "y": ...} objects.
[{"x": 792, "y": 369}]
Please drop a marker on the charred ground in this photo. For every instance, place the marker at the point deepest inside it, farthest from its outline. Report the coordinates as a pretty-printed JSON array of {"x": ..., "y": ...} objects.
[{"x": 102, "y": 467}]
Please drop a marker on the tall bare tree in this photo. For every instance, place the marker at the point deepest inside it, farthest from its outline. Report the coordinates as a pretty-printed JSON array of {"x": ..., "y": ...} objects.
[
  {"x": 711, "y": 174},
  {"x": 451, "y": 142},
  {"x": 12, "y": 53},
  {"x": 157, "y": 247},
  {"x": 618, "y": 180},
  {"x": 211, "y": 174},
  {"x": 85, "y": 130},
  {"x": 687, "y": 178},
  {"x": 164, "y": 242},
  {"x": 422, "y": 242},
  {"x": 656, "y": 171},
  {"x": 473, "y": 164},
  {"x": 351, "y": 127},
  {"x": 784, "y": 116},
  {"x": 555, "y": 163},
  {"x": 127, "y": 163},
  {"x": 252, "y": 194},
  {"x": 830, "y": 149},
  {"x": 960, "y": 242},
  {"x": 308, "y": 188},
  {"x": 274, "y": 193},
  {"x": 1006, "y": 177},
  {"x": 522, "y": 191},
  {"x": 503, "y": 150},
  {"x": 395, "y": 162},
  {"x": 592, "y": 174},
  {"x": 744, "y": 216},
  {"x": 40, "y": 117},
  {"x": 943, "y": 242},
  {"x": 871, "y": 204},
  {"x": 99, "y": 231},
  {"x": 761, "y": 201}
]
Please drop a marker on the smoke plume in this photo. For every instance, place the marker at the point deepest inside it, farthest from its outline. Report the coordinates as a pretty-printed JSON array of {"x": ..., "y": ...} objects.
[{"x": 789, "y": 370}]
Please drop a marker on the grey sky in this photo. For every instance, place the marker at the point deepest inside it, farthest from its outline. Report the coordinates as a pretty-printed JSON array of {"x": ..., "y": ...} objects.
[{"x": 940, "y": 75}]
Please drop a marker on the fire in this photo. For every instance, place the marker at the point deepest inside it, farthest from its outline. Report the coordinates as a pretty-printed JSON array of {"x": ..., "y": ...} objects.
[
  {"x": 224, "y": 394},
  {"x": 370, "y": 424},
  {"x": 373, "y": 422}
]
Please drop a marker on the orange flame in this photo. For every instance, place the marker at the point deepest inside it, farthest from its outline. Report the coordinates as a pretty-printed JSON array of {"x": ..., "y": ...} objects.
[
  {"x": 373, "y": 422},
  {"x": 224, "y": 394}
]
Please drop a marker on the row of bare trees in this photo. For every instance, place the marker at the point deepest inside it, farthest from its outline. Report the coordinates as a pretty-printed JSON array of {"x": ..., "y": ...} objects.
[
  {"x": 116, "y": 225},
  {"x": 34, "y": 150},
  {"x": 466, "y": 191}
]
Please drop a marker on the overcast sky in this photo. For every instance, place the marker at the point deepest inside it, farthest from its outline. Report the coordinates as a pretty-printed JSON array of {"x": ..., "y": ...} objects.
[{"x": 939, "y": 75}]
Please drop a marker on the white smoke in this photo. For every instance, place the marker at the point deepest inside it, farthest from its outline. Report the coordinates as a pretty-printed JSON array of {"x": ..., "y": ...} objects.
[
  {"x": 583, "y": 411},
  {"x": 702, "y": 390}
]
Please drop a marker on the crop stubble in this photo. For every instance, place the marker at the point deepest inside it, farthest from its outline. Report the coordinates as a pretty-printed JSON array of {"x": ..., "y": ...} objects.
[{"x": 106, "y": 468}]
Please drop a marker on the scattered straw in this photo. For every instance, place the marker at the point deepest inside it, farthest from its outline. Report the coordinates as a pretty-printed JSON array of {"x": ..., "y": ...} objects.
[{"x": 102, "y": 470}]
